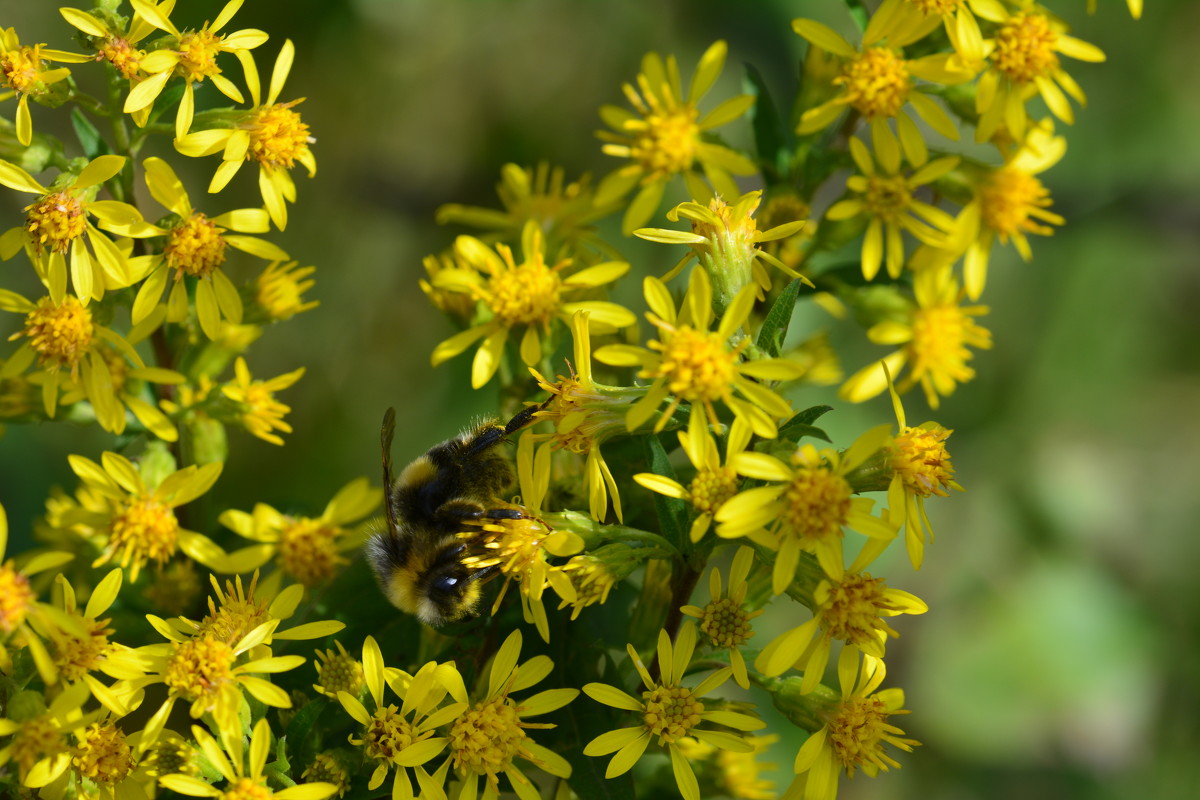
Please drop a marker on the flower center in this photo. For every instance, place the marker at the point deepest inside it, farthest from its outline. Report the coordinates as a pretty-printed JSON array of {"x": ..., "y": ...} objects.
[
  {"x": 938, "y": 342},
  {"x": 306, "y": 550},
  {"x": 122, "y": 55},
  {"x": 857, "y": 732},
  {"x": 103, "y": 755},
  {"x": 665, "y": 141},
  {"x": 16, "y": 598},
  {"x": 487, "y": 737},
  {"x": 388, "y": 734},
  {"x": 198, "y": 55},
  {"x": 75, "y": 656},
  {"x": 671, "y": 712},
  {"x": 55, "y": 221},
  {"x": 1008, "y": 198},
  {"x": 238, "y": 614},
  {"x": 887, "y": 197},
  {"x": 726, "y": 623},
  {"x": 921, "y": 459},
  {"x": 592, "y": 579},
  {"x": 339, "y": 672},
  {"x": 146, "y": 527},
  {"x": 712, "y": 487},
  {"x": 21, "y": 67},
  {"x": 247, "y": 789},
  {"x": 877, "y": 83},
  {"x": 697, "y": 364},
  {"x": 326, "y": 769},
  {"x": 277, "y": 136},
  {"x": 939, "y": 7},
  {"x": 59, "y": 334},
  {"x": 527, "y": 294},
  {"x": 170, "y": 755},
  {"x": 851, "y": 612},
  {"x": 36, "y": 739},
  {"x": 200, "y": 669},
  {"x": 816, "y": 503},
  {"x": 195, "y": 246},
  {"x": 1025, "y": 48}
]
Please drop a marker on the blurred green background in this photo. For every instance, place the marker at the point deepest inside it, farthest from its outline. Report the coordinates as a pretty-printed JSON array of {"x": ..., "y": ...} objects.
[{"x": 1060, "y": 654}]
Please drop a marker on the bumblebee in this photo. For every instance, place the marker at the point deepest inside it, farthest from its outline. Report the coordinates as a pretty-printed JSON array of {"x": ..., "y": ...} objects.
[{"x": 419, "y": 559}]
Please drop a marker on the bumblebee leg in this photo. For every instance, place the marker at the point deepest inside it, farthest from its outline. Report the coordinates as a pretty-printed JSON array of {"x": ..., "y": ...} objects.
[
  {"x": 493, "y": 434},
  {"x": 467, "y": 510}
]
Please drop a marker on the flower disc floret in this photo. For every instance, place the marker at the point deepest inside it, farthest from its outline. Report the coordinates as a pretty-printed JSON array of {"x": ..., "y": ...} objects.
[
  {"x": 816, "y": 502},
  {"x": 339, "y": 672},
  {"x": 75, "y": 656},
  {"x": 144, "y": 525},
  {"x": 665, "y": 142},
  {"x": 247, "y": 789},
  {"x": 389, "y": 734},
  {"x": 16, "y": 598},
  {"x": 195, "y": 246},
  {"x": 124, "y": 57},
  {"x": 54, "y": 221},
  {"x": 307, "y": 551},
  {"x": 851, "y": 613},
  {"x": 59, "y": 333},
  {"x": 887, "y": 197},
  {"x": 36, "y": 739},
  {"x": 857, "y": 732},
  {"x": 1009, "y": 198},
  {"x": 671, "y": 712},
  {"x": 727, "y": 623},
  {"x": 526, "y": 295},
  {"x": 278, "y": 137},
  {"x": 877, "y": 83},
  {"x": 21, "y": 66},
  {"x": 711, "y": 487},
  {"x": 199, "y": 669},
  {"x": 103, "y": 755},
  {"x": 198, "y": 55},
  {"x": 697, "y": 365},
  {"x": 1025, "y": 48},
  {"x": 487, "y": 737},
  {"x": 921, "y": 460}
]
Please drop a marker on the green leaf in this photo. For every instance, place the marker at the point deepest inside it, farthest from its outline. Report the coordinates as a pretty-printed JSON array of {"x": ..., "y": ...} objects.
[
  {"x": 771, "y": 137},
  {"x": 672, "y": 511},
  {"x": 801, "y": 425},
  {"x": 775, "y": 326},
  {"x": 299, "y": 730},
  {"x": 90, "y": 140}
]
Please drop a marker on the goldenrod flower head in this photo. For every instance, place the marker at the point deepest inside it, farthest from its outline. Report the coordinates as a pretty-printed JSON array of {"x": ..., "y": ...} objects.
[
  {"x": 693, "y": 364},
  {"x": 403, "y": 737},
  {"x": 962, "y": 28},
  {"x": 725, "y": 620},
  {"x": 237, "y": 612},
  {"x": 175, "y": 588},
  {"x": 489, "y": 736},
  {"x": 1023, "y": 60},
  {"x": 307, "y": 548},
  {"x": 258, "y": 410},
  {"x": 57, "y": 225},
  {"x": 243, "y": 772},
  {"x": 171, "y": 754},
  {"x": 669, "y": 711},
  {"x": 326, "y": 768},
  {"x": 458, "y": 305},
  {"x": 735, "y": 773},
  {"x": 115, "y": 40},
  {"x": 527, "y": 295},
  {"x": 83, "y": 646},
  {"x": 856, "y": 730},
  {"x": 102, "y": 754},
  {"x": 664, "y": 137},
  {"x": 593, "y": 575},
  {"x": 807, "y": 509},
  {"x": 16, "y": 597},
  {"x": 60, "y": 333},
  {"x": 934, "y": 343},
  {"x": 714, "y": 483},
  {"x": 338, "y": 672},
  {"x": 23, "y": 68},
  {"x": 39, "y": 744},
  {"x": 269, "y": 132},
  {"x": 279, "y": 290},
  {"x": 136, "y": 522}
]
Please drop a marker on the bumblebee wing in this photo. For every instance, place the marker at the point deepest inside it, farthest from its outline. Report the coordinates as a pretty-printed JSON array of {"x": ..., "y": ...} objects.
[{"x": 386, "y": 433}]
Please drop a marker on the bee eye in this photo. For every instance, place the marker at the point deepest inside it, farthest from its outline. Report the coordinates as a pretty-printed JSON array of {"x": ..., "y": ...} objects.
[{"x": 444, "y": 584}]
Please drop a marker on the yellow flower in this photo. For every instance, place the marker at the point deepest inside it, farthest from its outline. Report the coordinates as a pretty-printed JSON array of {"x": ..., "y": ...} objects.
[
  {"x": 808, "y": 506},
  {"x": 279, "y": 290},
  {"x": 669, "y": 711},
  {"x": 528, "y": 295},
  {"x": 404, "y": 737},
  {"x": 192, "y": 55},
  {"x": 592, "y": 577},
  {"x": 137, "y": 521},
  {"x": 327, "y": 768},
  {"x": 195, "y": 246},
  {"x": 665, "y": 137},
  {"x": 850, "y": 608},
  {"x": 308, "y": 549},
  {"x": 887, "y": 199},
  {"x": 725, "y": 619},
  {"x": 76, "y": 356},
  {"x": 58, "y": 222},
  {"x": 1023, "y": 60},
  {"x": 269, "y": 132},
  {"x": 855, "y": 732},
  {"x": 488, "y": 737},
  {"x": 39, "y": 745},
  {"x": 693, "y": 364},
  {"x": 258, "y": 410},
  {"x": 934, "y": 341},
  {"x": 245, "y": 778},
  {"x": 104, "y": 755},
  {"x": 23, "y": 71},
  {"x": 724, "y": 239},
  {"x": 877, "y": 81},
  {"x": 237, "y": 611},
  {"x": 714, "y": 483},
  {"x": 339, "y": 672},
  {"x": 958, "y": 18},
  {"x": 1135, "y": 8},
  {"x": 736, "y": 774}
]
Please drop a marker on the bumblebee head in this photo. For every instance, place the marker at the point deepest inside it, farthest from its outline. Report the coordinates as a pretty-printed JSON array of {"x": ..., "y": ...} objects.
[{"x": 430, "y": 583}]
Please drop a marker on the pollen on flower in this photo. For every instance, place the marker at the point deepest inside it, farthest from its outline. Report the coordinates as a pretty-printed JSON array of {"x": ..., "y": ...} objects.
[
  {"x": 143, "y": 529},
  {"x": 277, "y": 136},
  {"x": 103, "y": 755},
  {"x": 238, "y": 614},
  {"x": 307, "y": 552},
  {"x": 339, "y": 672},
  {"x": 711, "y": 488},
  {"x": 1025, "y": 47},
  {"x": 122, "y": 55},
  {"x": 200, "y": 668},
  {"x": 727, "y": 623},
  {"x": 34, "y": 740},
  {"x": 198, "y": 55},
  {"x": 697, "y": 364},
  {"x": 247, "y": 789},
  {"x": 59, "y": 334},
  {"x": 877, "y": 83},
  {"x": 671, "y": 712},
  {"x": 55, "y": 221},
  {"x": 939, "y": 7},
  {"x": 922, "y": 461},
  {"x": 592, "y": 581},
  {"x": 389, "y": 733},
  {"x": 887, "y": 197},
  {"x": 664, "y": 143},
  {"x": 851, "y": 611},
  {"x": 816, "y": 503},
  {"x": 21, "y": 67},
  {"x": 526, "y": 295},
  {"x": 16, "y": 598},
  {"x": 1009, "y": 199},
  {"x": 487, "y": 737},
  {"x": 858, "y": 730},
  {"x": 195, "y": 246},
  {"x": 516, "y": 546},
  {"x": 75, "y": 656}
]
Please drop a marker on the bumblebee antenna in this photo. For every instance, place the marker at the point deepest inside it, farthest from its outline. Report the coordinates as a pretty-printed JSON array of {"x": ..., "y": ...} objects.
[{"x": 386, "y": 433}]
